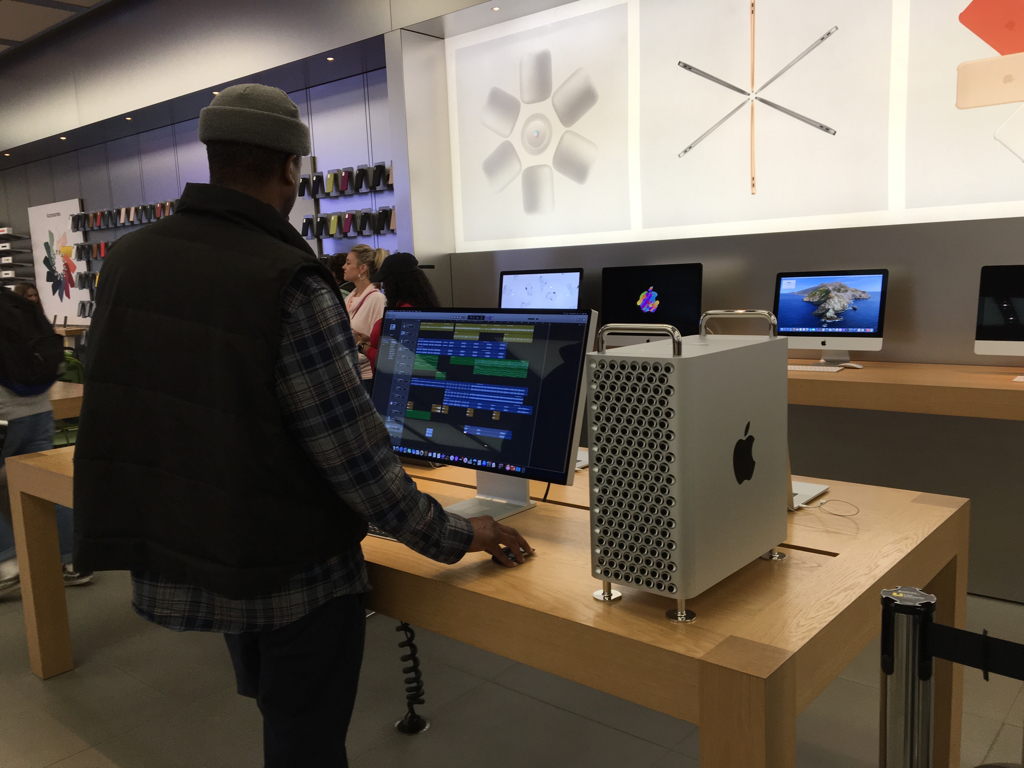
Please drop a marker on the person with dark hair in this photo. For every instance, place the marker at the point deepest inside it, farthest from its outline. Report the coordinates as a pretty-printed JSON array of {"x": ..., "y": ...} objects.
[
  {"x": 246, "y": 516},
  {"x": 28, "y": 291},
  {"x": 405, "y": 285},
  {"x": 336, "y": 265}
]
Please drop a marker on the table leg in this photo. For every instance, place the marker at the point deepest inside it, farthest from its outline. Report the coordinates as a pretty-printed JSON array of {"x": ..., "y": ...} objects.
[
  {"x": 950, "y": 589},
  {"x": 747, "y": 706},
  {"x": 42, "y": 584}
]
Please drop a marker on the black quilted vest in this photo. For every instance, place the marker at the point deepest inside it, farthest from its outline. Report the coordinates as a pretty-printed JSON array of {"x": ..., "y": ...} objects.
[{"x": 183, "y": 462}]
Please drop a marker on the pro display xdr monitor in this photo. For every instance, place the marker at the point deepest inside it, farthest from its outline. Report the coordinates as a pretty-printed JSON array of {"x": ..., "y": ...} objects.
[
  {"x": 498, "y": 391},
  {"x": 663, "y": 293},
  {"x": 541, "y": 289},
  {"x": 833, "y": 312},
  {"x": 1000, "y": 329}
]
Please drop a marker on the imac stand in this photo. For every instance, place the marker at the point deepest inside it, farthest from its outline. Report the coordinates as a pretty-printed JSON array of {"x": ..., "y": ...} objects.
[
  {"x": 834, "y": 357},
  {"x": 496, "y": 495}
]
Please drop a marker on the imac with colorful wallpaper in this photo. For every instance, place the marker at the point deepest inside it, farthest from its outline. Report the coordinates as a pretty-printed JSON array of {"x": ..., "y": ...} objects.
[
  {"x": 651, "y": 295},
  {"x": 833, "y": 312},
  {"x": 497, "y": 391},
  {"x": 541, "y": 289},
  {"x": 1000, "y": 330}
]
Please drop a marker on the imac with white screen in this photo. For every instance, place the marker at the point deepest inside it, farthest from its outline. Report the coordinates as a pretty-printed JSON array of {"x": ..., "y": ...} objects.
[
  {"x": 497, "y": 391},
  {"x": 541, "y": 289},
  {"x": 832, "y": 312},
  {"x": 1000, "y": 330}
]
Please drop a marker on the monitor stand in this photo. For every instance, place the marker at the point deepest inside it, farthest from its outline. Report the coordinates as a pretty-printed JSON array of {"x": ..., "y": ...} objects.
[
  {"x": 496, "y": 495},
  {"x": 830, "y": 358}
]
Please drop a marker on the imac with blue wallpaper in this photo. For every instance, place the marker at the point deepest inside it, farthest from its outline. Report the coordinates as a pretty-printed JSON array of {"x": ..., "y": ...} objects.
[{"x": 832, "y": 311}]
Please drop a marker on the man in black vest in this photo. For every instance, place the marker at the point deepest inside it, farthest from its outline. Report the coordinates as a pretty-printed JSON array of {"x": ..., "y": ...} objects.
[{"x": 233, "y": 467}]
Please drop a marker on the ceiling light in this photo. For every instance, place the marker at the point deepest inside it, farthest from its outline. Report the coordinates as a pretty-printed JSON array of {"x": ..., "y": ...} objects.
[
  {"x": 127, "y": 118},
  {"x": 330, "y": 58},
  {"x": 216, "y": 93},
  {"x": 63, "y": 138},
  {"x": 496, "y": 8},
  {"x": 7, "y": 154}
]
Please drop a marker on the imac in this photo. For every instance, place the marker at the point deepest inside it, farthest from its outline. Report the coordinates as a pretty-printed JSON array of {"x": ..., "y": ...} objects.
[
  {"x": 1000, "y": 330},
  {"x": 541, "y": 289},
  {"x": 497, "y": 391},
  {"x": 833, "y": 312},
  {"x": 667, "y": 294}
]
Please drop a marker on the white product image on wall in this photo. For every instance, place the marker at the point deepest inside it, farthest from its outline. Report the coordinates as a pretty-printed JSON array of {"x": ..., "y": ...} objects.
[
  {"x": 539, "y": 119},
  {"x": 574, "y": 155}
]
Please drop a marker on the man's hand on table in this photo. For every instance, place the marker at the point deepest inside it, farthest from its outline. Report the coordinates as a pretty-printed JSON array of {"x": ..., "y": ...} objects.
[{"x": 490, "y": 535}]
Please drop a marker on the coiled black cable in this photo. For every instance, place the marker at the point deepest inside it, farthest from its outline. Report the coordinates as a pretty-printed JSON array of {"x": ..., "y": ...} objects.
[{"x": 412, "y": 723}]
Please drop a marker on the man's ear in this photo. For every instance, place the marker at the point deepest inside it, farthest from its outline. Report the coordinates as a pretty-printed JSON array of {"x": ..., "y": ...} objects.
[{"x": 292, "y": 170}]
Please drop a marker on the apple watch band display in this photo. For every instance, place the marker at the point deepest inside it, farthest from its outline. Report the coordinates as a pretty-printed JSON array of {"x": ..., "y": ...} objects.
[
  {"x": 347, "y": 181},
  {"x": 128, "y": 216},
  {"x": 349, "y": 223}
]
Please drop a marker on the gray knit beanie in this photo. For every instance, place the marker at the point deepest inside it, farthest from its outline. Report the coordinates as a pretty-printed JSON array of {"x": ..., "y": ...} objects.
[{"x": 255, "y": 114}]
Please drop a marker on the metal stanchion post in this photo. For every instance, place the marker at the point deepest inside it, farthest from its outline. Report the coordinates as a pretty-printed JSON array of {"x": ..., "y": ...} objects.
[{"x": 907, "y": 696}]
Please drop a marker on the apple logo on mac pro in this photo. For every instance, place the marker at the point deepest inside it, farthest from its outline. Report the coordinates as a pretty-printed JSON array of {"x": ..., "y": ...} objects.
[{"x": 743, "y": 457}]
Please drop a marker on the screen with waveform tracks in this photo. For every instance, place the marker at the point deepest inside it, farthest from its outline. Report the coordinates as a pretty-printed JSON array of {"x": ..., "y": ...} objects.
[{"x": 492, "y": 390}]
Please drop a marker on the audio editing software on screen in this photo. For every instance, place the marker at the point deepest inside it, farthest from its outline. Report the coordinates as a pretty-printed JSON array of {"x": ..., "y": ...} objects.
[{"x": 492, "y": 391}]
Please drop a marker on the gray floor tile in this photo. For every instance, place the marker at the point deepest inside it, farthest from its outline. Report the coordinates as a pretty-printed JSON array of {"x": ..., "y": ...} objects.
[
  {"x": 476, "y": 662},
  {"x": 866, "y": 668},
  {"x": 381, "y": 698},
  {"x": 89, "y": 758},
  {"x": 675, "y": 760},
  {"x": 1016, "y": 716},
  {"x": 493, "y": 724},
  {"x": 95, "y": 701},
  {"x": 30, "y": 737},
  {"x": 1008, "y": 745},
  {"x": 224, "y": 730},
  {"x": 976, "y": 739},
  {"x": 840, "y": 728},
  {"x": 187, "y": 666},
  {"x": 992, "y": 699},
  {"x": 597, "y": 706}
]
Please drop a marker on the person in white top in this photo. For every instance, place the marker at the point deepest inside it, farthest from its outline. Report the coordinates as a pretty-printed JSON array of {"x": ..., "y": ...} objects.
[{"x": 366, "y": 303}]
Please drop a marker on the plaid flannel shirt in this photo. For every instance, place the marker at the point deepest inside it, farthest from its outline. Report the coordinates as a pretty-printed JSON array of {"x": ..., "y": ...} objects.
[{"x": 329, "y": 413}]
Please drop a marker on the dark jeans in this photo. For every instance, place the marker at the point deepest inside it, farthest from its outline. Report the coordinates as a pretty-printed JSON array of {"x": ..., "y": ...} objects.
[{"x": 304, "y": 678}]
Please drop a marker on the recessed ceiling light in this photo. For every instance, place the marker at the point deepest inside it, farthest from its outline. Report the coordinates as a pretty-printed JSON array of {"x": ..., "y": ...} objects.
[
  {"x": 216, "y": 93},
  {"x": 7, "y": 154},
  {"x": 127, "y": 118},
  {"x": 330, "y": 58},
  {"x": 496, "y": 8},
  {"x": 63, "y": 138}
]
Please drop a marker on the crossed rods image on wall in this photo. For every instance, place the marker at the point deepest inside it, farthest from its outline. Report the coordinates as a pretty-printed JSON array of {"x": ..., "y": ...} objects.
[{"x": 752, "y": 96}]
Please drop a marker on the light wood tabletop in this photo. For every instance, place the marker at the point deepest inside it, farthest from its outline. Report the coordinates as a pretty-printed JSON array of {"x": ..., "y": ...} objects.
[
  {"x": 66, "y": 399},
  {"x": 978, "y": 391},
  {"x": 767, "y": 640}
]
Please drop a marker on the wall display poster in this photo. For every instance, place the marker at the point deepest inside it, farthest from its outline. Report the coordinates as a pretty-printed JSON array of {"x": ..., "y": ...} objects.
[
  {"x": 52, "y": 241},
  {"x": 607, "y": 121}
]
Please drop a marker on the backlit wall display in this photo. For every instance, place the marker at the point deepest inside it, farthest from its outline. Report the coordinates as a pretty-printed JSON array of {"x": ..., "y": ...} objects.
[{"x": 604, "y": 121}]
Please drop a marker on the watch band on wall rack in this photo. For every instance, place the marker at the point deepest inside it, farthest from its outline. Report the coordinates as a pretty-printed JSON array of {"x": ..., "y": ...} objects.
[
  {"x": 342, "y": 182},
  {"x": 128, "y": 216},
  {"x": 350, "y": 224}
]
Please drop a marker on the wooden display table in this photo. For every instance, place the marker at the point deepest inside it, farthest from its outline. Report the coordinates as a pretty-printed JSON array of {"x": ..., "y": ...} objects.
[
  {"x": 977, "y": 391},
  {"x": 766, "y": 642},
  {"x": 66, "y": 399}
]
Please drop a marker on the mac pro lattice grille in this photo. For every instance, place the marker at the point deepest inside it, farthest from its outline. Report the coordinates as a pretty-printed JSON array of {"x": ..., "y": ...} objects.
[{"x": 634, "y": 536}]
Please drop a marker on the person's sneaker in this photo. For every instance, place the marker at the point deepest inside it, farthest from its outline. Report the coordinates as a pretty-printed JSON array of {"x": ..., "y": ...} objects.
[
  {"x": 9, "y": 584},
  {"x": 73, "y": 578}
]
